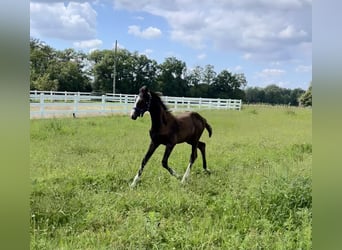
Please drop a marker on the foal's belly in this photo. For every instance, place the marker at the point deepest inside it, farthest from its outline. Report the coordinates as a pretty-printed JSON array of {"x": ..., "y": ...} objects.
[
  {"x": 170, "y": 139},
  {"x": 162, "y": 138}
]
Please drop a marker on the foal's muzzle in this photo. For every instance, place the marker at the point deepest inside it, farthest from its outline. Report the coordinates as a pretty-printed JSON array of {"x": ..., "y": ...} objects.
[{"x": 137, "y": 112}]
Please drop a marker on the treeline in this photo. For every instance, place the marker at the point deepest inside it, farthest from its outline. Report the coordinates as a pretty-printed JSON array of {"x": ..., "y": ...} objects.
[
  {"x": 71, "y": 70},
  {"x": 273, "y": 94}
]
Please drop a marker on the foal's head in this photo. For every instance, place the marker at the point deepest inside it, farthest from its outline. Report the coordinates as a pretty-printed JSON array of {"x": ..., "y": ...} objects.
[{"x": 142, "y": 103}]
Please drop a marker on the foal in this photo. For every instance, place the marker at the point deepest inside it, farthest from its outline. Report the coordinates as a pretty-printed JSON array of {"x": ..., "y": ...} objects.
[{"x": 169, "y": 130}]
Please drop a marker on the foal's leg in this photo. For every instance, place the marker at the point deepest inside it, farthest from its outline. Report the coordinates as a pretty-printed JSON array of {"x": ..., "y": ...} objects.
[
  {"x": 149, "y": 153},
  {"x": 201, "y": 146},
  {"x": 193, "y": 157},
  {"x": 168, "y": 150}
]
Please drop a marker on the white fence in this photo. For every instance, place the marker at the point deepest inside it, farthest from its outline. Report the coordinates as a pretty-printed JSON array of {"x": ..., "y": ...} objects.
[{"x": 44, "y": 104}]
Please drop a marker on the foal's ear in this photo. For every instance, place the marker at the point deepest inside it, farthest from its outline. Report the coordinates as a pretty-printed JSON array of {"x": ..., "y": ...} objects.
[{"x": 143, "y": 89}]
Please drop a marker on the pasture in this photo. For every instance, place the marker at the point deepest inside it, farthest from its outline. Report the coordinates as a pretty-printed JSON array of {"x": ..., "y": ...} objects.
[{"x": 257, "y": 197}]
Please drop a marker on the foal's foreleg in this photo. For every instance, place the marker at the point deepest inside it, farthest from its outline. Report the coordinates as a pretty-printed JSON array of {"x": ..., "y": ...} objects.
[
  {"x": 193, "y": 157},
  {"x": 148, "y": 155},
  {"x": 168, "y": 150}
]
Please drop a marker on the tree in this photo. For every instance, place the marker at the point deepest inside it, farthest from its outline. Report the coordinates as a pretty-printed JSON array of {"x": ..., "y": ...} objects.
[
  {"x": 209, "y": 74},
  {"x": 295, "y": 96},
  {"x": 70, "y": 71},
  {"x": 102, "y": 70},
  {"x": 228, "y": 85},
  {"x": 42, "y": 57},
  {"x": 132, "y": 71},
  {"x": 195, "y": 81},
  {"x": 306, "y": 98},
  {"x": 172, "y": 77},
  {"x": 57, "y": 70},
  {"x": 221, "y": 87},
  {"x": 44, "y": 82},
  {"x": 255, "y": 95},
  {"x": 144, "y": 72},
  {"x": 273, "y": 94},
  {"x": 195, "y": 76},
  {"x": 238, "y": 84}
]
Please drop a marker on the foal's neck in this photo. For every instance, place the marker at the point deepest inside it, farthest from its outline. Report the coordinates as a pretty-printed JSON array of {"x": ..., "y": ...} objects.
[{"x": 158, "y": 117}]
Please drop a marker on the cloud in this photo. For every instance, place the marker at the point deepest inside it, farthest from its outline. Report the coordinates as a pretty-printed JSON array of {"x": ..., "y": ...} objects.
[
  {"x": 267, "y": 73},
  {"x": 289, "y": 33},
  {"x": 88, "y": 44},
  {"x": 282, "y": 84},
  {"x": 73, "y": 21},
  {"x": 146, "y": 52},
  {"x": 237, "y": 68},
  {"x": 148, "y": 33},
  {"x": 260, "y": 29},
  {"x": 201, "y": 56},
  {"x": 140, "y": 18},
  {"x": 303, "y": 68}
]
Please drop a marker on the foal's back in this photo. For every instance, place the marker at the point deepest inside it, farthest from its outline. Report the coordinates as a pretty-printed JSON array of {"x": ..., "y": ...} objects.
[{"x": 190, "y": 127}]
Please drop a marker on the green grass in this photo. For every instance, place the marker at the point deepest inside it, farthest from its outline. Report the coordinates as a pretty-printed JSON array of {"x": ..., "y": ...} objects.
[{"x": 257, "y": 197}]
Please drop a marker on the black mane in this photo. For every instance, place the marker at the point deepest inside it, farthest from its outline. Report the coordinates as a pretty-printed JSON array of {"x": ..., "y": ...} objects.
[{"x": 156, "y": 96}]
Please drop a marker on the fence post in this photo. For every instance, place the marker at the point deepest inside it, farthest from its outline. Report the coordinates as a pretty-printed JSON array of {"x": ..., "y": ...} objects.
[
  {"x": 75, "y": 104},
  {"x": 126, "y": 104},
  {"x": 41, "y": 105},
  {"x": 103, "y": 101}
]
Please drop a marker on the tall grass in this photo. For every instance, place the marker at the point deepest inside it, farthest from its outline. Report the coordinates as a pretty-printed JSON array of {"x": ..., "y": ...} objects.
[{"x": 257, "y": 197}]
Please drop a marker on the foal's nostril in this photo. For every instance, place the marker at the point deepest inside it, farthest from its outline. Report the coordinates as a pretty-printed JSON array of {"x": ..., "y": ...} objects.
[{"x": 133, "y": 116}]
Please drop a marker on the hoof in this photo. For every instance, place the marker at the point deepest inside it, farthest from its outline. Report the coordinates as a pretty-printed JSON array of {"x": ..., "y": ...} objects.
[
  {"x": 177, "y": 176},
  {"x": 207, "y": 171}
]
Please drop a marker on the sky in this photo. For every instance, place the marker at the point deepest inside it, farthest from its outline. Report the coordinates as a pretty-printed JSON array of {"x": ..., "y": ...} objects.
[{"x": 270, "y": 41}]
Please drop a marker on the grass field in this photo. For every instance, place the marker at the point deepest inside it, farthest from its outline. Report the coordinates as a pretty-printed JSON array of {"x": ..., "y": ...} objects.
[{"x": 257, "y": 197}]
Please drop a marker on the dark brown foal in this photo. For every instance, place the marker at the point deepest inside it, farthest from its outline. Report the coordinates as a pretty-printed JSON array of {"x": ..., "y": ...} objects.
[{"x": 170, "y": 130}]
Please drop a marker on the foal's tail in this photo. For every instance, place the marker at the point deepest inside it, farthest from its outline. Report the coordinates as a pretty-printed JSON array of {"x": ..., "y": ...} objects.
[
  {"x": 208, "y": 127},
  {"x": 204, "y": 121}
]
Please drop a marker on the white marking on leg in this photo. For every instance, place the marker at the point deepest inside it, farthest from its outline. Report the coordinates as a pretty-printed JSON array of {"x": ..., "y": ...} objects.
[
  {"x": 187, "y": 172},
  {"x": 136, "y": 179}
]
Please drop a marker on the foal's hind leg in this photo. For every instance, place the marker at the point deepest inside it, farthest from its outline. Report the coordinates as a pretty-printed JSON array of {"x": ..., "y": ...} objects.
[
  {"x": 201, "y": 146},
  {"x": 193, "y": 157}
]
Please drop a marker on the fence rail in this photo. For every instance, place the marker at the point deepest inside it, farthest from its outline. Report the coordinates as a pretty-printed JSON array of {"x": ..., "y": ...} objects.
[{"x": 44, "y": 104}]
